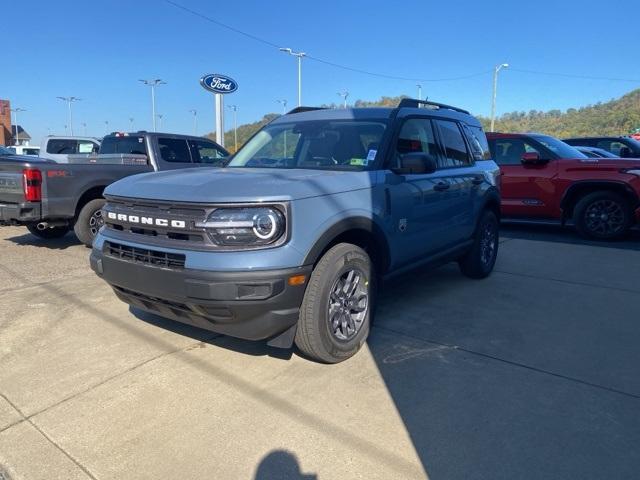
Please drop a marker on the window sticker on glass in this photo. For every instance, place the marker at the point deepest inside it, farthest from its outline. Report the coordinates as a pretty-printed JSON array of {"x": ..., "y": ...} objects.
[
  {"x": 359, "y": 162},
  {"x": 371, "y": 156}
]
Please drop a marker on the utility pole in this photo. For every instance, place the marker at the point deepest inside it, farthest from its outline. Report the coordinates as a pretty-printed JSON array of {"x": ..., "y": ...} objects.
[
  {"x": 160, "y": 118},
  {"x": 69, "y": 101},
  {"x": 153, "y": 83},
  {"x": 131, "y": 120},
  {"x": 283, "y": 102},
  {"x": 419, "y": 91},
  {"x": 195, "y": 121},
  {"x": 16, "y": 111},
  {"x": 106, "y": 125},
  {"x": 299, "y": 55},
  {"x": 344, "y": 94},
  {"x": 235, "y": 125},
  {"x": 496, "y": 70}
]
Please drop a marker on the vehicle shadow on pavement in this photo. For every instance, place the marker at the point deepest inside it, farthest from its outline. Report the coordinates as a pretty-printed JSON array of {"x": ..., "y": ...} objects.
[
  {"x": 559, "y": 234},
  {"x": 256, "y": 349},
  {"x": 281, "y": 464},
  {"x": 69, "y": 240}
]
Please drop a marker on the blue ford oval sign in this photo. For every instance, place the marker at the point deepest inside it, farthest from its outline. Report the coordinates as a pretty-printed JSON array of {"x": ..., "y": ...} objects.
[{"x": 216, "y": 83}]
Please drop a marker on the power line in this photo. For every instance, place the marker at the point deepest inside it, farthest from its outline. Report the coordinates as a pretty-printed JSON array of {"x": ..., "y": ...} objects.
[{"x": 320, "y": 60}]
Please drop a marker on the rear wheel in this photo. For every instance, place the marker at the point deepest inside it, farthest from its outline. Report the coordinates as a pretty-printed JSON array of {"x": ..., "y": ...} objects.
[
  {"x": 48, "y": 233},
  {"x": 602, "y": 215},
  {"x": 336, "y": 311},
  {"x": 478, "y": 262},
  {"x": 89, "y": 221}
]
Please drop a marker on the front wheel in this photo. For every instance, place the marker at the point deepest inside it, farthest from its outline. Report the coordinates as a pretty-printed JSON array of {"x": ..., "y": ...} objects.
[
  {"x": 48, "y": 233},
  {"x": 602, "y": 215},
  {"x": 89, "y": 221},
  {"x": 337, "y": 307},
  {"x": 478, "y": 262}
]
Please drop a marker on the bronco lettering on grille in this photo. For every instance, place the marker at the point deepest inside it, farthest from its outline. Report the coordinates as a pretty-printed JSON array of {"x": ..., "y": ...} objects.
[{"x": 159, "y": 222}]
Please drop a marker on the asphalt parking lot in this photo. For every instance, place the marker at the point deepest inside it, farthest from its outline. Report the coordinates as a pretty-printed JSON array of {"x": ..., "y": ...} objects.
[{"x": 532, "y": 373}]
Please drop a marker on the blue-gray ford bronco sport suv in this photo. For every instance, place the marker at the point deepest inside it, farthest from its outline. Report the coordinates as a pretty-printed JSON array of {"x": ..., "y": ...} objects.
[{"x": 288, "y": 242}]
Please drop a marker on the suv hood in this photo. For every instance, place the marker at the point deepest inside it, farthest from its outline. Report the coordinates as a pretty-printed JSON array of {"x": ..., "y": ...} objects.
[{"x": 226, "y": 185}]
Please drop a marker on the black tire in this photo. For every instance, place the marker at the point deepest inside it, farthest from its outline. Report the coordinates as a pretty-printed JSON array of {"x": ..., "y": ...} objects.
[
  {"x": 48, "y": 233},
  {"x": 478, "y": 262},
  {"x": 89, "y": 221},
  {"x": 602, "y": 215},
  {"x": 328, "y": 310}
]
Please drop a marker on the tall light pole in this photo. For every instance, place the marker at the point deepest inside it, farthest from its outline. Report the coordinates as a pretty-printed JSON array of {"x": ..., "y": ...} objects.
[
  {"x": 159, "y": 118},
  {"x": 106, "y": 126},
  {"x": 344, "y": 94},
  {"x": 299, "y": 55},
  {"x": 194, "y": 112},
  {"x": 69, "y": 101},
  {"x": 235, "y": 125},
  {"x": 16, "y": 111},
  {"x": 84, "y": 128},
  {"x": 419, "y": 91},
  {"x": 153, "y": 83},
  {"x": 495, "y": 92},
  {"x": 131, "y": 120}
]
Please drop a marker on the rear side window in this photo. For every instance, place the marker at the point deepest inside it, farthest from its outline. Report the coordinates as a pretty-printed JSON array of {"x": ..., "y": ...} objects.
[
  {"x": 60, "y": 146},
  {"x": 416, "y": 135},
  {"x": 123, "y": 145},
  {"x": 206, "y": 152},
  {"x": 456, "y": 153},
  {"x": 174, "y": 150},
  {"x": 478, "y": 142}
]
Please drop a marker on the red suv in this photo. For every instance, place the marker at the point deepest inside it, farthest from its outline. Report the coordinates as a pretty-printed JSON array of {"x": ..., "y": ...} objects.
[{"x": 546, "y": 180}]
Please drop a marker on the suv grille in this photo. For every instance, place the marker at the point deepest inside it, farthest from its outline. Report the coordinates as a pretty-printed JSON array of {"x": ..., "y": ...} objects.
[{"x": 142, "y": 255}]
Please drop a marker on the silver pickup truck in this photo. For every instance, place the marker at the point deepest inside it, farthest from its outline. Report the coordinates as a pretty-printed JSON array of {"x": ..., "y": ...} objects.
[{"x": 50, "y": 198}]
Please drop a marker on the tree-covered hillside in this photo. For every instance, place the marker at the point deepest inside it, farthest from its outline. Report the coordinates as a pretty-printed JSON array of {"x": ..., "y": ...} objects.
[{"x": 616, "y": 117}]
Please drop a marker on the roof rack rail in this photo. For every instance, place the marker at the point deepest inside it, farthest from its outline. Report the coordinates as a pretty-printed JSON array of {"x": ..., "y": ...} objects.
[
  {"x": 304, "y": 109},
  {"x": 414, "y": 103}
]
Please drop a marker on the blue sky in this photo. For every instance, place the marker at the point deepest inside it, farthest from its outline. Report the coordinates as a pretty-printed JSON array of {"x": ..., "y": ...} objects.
[{"x": 97, "y": 50}]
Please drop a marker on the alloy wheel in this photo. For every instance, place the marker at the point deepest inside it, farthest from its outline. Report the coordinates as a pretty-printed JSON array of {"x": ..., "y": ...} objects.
[
  {"x": 348, "y": 304},
  {"x": 605, "y": 218}
]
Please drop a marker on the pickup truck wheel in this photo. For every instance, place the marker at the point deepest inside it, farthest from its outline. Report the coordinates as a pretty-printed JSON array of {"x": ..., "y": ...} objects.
[
  {"x": 337, "y": 306},
  {"x": 602, "y": 216},
  {"x": 89, "y": 221},
  {"x": 48, "y": 233},
  {"x": 478, "y": 262}
]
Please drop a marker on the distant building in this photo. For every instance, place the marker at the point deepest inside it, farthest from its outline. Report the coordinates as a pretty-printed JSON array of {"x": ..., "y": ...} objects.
[
  {"x": 5, "y": 123},
  {"x": 21, "y": 137}
]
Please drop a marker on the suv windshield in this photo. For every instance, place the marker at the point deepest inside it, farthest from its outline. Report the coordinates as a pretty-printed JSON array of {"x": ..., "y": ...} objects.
[
  {"x": 560, "y": 148},
  {"x": 324, "y": 144}
]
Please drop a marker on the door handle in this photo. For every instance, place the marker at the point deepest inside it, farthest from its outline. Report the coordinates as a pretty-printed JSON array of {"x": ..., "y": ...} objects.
[{"x": 441, "y": 186}]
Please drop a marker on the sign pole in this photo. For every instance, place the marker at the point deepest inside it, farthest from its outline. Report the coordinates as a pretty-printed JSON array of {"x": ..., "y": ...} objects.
[{"x": 219, "y": 101}]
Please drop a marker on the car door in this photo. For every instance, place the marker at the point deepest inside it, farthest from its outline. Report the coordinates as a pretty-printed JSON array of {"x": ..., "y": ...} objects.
[
  {"x": 528, "y": 191},
  {"x": 419, "y": 219}
]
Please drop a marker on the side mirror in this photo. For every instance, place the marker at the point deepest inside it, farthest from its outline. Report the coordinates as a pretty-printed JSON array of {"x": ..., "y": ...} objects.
[
  {"x": 625, "y": 152},
  {"x": 532, "y": 158},
  {"x": 416, "y": 163}
]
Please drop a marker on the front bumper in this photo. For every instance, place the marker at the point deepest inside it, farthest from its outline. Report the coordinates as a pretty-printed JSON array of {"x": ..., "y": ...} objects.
[
  {"x": 19, "y": 213},
  {"x": 252, "y": 305}
]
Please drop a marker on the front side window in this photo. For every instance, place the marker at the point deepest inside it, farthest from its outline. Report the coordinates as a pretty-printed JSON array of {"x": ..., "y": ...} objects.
[
  {"x": 60, "y": 146},
  {"x": 206, "y": 152},
  {"x": 509, "y": 151},
  {"x": 85, "y": 146},
  {"x": 455, "y": 150},
  {"x": 319, "y": 144},
  {"x": 416, "y": 135},
  {"x": 174, "y": 150}
]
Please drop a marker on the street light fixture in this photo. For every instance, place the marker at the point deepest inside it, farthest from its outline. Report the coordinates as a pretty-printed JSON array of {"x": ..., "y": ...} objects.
[
  {"x": 195, "y": 121},
  {"x": 283, "y": 102},
  {"x": 235, "y": 125},
  {"x": 69, "y": 101},
  {"x": 299, "y": 55},
  {"x": 495, "y": 92},
  {"x": 16, "y": 111},
  {"x": 153, "y": 83},
  {"x": 344, "y": 94}
]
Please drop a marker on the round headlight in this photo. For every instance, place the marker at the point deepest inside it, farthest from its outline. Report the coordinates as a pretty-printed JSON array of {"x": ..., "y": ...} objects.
[{"x": 247, "y": 226}]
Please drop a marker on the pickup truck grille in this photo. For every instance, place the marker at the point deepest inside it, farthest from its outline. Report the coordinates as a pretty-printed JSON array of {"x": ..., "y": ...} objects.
[{"x": 153, "y": 258}]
